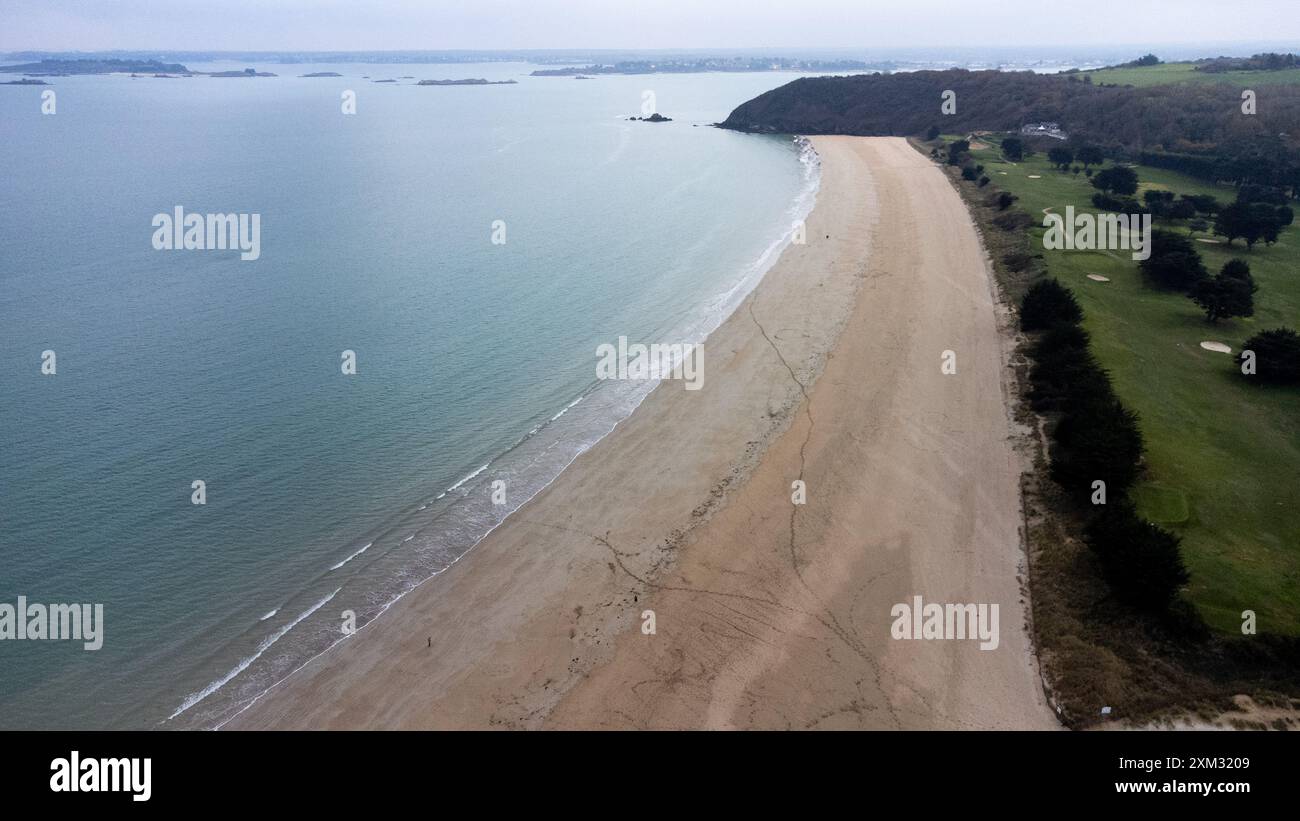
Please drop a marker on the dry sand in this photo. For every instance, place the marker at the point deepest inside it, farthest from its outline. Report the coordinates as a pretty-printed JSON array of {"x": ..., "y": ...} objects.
[{"x": 767, "y": 614}]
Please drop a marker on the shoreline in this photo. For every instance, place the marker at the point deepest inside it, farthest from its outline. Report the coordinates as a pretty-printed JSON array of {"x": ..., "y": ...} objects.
[
  {"x": 541, "y": 623},
  {"x": 716, "y": 309}
]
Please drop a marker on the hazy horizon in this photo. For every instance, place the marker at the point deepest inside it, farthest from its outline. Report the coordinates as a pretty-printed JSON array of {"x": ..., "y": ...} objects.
[{"x": 572, "y": 25}]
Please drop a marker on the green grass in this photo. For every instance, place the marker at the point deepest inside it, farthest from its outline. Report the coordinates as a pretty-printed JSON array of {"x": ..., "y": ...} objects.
[
  {"x": 1167, "y": 73},
  {"x": 1229, "y": 447}
]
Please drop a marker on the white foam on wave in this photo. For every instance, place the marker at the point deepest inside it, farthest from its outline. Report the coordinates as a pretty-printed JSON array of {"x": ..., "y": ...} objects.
[
  {"x": 467, "y": 478},
  {"x": 353, "y": 556},
  {"x": 566, "y": 409},
  {"x": 269, "y": 615},
  {"x": 195, "y": 698}
]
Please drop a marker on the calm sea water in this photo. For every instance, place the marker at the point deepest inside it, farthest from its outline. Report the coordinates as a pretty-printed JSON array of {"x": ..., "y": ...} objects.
[{"x": 326, "y": 492}]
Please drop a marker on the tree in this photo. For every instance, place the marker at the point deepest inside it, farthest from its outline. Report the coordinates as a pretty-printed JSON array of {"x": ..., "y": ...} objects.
[
  {"x": 1157, "y": 202},
  {"x": 1098, "y": 439},
  {"x": 1089, "y": 155},
  {"x": 1060, "y": 156},
  {"x": 1180, "y": 210},
  {"x": 1252, "y": 221},
  {"x": 1231, "y": 222},
  {"x": 1229, "y": 294},
  {"x": 1142, "y": 562},
  {"x": 1118, "y": 179},
  {"x": 1203, "y": 203},
  {"x": 1277, "y": 356},
  {"x": 1013, "y": 148},
  {"x": 1048, "y": 303},
  {"x": 1174, "y": 262},
  {"x": 957, "y": 149},
  {"x": 933, "y": 133},
  {"x": 1005, "y": 199}
]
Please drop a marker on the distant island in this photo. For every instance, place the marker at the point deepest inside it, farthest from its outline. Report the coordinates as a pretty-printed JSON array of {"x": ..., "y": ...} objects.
[
  {"x": 706, "y": 64},
  {"x": 653, "y": 118},
  {"x": 248, "y": 72},
  {"x": 58, "y": 68},
  {"x": 322, "y": 74},
  {"x": 25, "y": 82},
  {"x": 479, "y": 82}
]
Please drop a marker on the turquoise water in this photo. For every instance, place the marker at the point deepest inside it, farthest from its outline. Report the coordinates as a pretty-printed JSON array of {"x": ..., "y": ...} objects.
[{"x": 476, "y": 361}]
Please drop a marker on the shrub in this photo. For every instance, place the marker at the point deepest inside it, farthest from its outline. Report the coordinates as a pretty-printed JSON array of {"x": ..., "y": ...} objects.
[
  {"x": 1098, "y": 438},
  {"x": 1048, "y": 303},
  {"x": 1142, "y": 562},
  {"x": 1277, "y": 356},
  {"x": 1013, "y": 221},
  {"x": 1065, "y": 374}
]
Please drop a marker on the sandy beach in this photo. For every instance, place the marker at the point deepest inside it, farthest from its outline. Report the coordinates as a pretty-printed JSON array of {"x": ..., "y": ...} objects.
[{"x": 767, "y": 614}]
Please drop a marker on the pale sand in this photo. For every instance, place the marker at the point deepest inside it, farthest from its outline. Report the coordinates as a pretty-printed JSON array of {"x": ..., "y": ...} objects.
[{"x": 767, "y": 614}]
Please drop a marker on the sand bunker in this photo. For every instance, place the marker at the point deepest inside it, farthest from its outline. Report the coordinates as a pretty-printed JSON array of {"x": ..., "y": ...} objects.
[
  {"x": 1210, "y": 241},
  {"x": 1098, "y": 278},
  {"x": 1217, "y": 347},
  {"x": 1035, "y": 176}
]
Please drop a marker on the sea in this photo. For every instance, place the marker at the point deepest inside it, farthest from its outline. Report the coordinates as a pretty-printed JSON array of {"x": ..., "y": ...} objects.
[{"x": 470, "y": 247}]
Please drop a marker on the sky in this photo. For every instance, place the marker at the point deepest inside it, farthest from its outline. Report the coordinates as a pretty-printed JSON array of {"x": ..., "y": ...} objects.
[{"x": 374, "y": 25}]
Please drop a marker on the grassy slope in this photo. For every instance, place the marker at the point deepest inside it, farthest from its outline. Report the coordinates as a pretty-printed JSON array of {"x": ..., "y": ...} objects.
[
  {"x": 1167, "y": 73},
  {"x": 1223, "y": 454}
]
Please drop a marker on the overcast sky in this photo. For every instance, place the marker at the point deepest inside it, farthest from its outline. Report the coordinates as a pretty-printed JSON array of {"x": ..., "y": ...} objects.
[{"x": 303, "y": 25}]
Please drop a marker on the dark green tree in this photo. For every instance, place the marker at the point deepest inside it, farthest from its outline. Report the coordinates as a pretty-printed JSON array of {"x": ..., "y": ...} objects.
[
  {"x": 1229, "y": 294},
  {"x": 1174, "y": 262},
  {"x": 1142, "y": 562},
  {"x": 1118, "y": 179},
  {"x": 1048, "y": 303},
  {"x": 1277, "y": 356},
  {"x": 1089, "y": 155},
  {"x": 1060, "y": 156}
]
